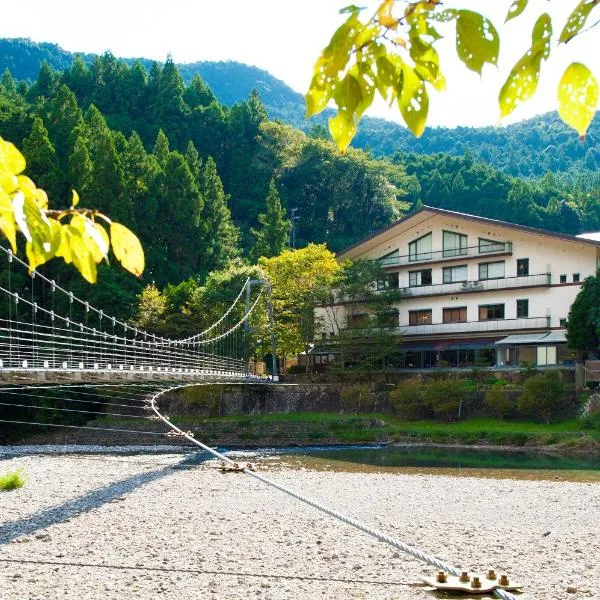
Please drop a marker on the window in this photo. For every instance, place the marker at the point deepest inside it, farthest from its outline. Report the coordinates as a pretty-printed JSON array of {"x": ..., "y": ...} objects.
[
  {"x": 357, "y": 321},
  {"x": 522, "y": 309},
  {"x": 492, "y": 270},
  {"x": 416, "y": 278},
  {"x": 391, "y": 258},
  {"x": 546, "y": 355},
  {"x": 522, "y": 267},
  {"x": 576, "y": 278},
  {"x": 453, "y": 274},
  {"x": 455, "y": 315},
  {"x": 486, "y": 245},
  {"x": 563, "y": 279},
  {"x": 419, "y": 317},
  {"x": 455, "y": 244},
  {"x": 563, "y": 322},
  {"x": 491, "y": 312},
  {"x": 420, "y": 249},
  {"x": 389, "y": 281},
  {"x": 389, "y": 318}
]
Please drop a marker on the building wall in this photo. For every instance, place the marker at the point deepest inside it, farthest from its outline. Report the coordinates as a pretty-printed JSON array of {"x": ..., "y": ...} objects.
[{"x": 546, "y": 254}]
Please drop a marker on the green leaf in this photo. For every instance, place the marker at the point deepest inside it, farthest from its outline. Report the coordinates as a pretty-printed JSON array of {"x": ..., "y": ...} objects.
[
  {"x": 577, "y": 97},
  {"x": 389, "y": 74},
  {"x": 352, "y": 9},
  {"x": 516, "y": 8},
  {"x": 413, "y": 100},
  {"x": 427, "y": 63},
  {"x": 477, "y": 41},
  {"x": 577, "y": 20},
  {"x": 127, "y": 248},
  {"x": 522, "y": 81},
  {"x": 342, "y": 128}
]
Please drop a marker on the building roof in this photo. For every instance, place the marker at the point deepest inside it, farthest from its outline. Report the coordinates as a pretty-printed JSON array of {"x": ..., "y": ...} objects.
[
  {"x": 593, "y": 241},
  {"x": 550, "y": 337}
]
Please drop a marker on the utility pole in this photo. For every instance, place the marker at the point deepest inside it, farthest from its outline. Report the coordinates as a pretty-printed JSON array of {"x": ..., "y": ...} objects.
[{"x": 267, "y": 284}]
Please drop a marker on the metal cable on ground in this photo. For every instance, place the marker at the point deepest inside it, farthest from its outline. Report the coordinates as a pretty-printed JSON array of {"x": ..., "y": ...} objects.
[{"x": 376, "y": 533}]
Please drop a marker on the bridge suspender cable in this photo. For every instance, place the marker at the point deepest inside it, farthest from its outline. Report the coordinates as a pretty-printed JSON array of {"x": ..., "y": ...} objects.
[{"x": 380, "y": 535}]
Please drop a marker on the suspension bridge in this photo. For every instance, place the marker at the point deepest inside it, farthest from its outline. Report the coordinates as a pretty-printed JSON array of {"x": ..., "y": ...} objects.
[{"x": 59, "y": 355}]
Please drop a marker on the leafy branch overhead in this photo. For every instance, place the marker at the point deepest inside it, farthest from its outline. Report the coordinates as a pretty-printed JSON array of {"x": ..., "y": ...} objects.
[
  {"x": 393, "y": 53},
  {"x": 73, "y": 234}
]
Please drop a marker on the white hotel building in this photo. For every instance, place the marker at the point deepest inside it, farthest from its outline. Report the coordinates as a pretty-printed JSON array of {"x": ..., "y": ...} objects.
[{"x": 473, "y": 290}]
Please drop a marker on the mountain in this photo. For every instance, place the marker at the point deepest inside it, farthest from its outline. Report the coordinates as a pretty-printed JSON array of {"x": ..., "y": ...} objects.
[{"x": 528, "y": 149}]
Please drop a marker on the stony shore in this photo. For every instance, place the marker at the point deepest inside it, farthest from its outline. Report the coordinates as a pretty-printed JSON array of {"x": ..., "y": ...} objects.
[{"x": 146, "y": 526}]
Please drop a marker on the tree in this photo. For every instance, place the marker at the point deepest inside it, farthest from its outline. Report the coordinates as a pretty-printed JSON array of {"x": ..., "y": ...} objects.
[
  {"x": 151, "y": 310},
  {"x": 161, "y": 148},
  {"x": 393, "y": 52},
  {"x": 301, "y": 279},
  {"x": 583, "y": 323},
  {"x": 64, "y": 121},
  {"x": 80, "y": 167},
  {"x": 543, "y": 397},
  {"x": 274, "y": 235}
]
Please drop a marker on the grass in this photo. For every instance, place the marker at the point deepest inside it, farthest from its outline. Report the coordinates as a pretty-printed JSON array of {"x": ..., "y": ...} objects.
[{"x": 12, "y": 481}]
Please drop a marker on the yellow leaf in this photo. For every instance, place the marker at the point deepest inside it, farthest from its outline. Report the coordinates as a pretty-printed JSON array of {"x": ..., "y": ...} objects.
[
  {"x": 413, "y": 101},
  {"x": 384, "y": 15},
  {"x": 11, "y": 159},
  {"x": 75, "y": 200},
  {"x": 577, "y": 97},
  {"x": 8, "y": 182},
  {"x": 7, "y": 220},
  {"x": 80, "y": 254},
  {"x": 127, "y": 248}
]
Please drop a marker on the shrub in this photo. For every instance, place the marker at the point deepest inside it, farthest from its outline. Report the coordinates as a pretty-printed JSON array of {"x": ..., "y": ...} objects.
[
  {"x": 408, "y": 400},
  {"x": 296, "y": 369},
  {"x": 446, "y": 398},
  {"x": 499, "y": 403},
  {"x": 357, "y": 397},
  {"x": 12, "y": 480},
  {"x": 544, "y": 397}
]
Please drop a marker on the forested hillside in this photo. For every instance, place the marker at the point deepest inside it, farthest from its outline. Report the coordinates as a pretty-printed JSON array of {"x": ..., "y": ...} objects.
[
  {"x": 191, "y": 176},
  {"x": 527, "y": 149}
]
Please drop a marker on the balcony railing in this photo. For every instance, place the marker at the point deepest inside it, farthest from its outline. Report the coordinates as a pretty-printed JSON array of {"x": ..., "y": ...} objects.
[
  {"x": 477, "y": 326},
  {"x": 448, "y": 254},
  {"x": 541, "y": 279}
]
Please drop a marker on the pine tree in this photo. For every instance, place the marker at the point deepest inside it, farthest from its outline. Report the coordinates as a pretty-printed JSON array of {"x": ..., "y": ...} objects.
[
  {"x": 274, "y": 235},
  {"x": 221, "y": 235},
  {"x": 8, "y": 85},
  {"x": 45, "y": 84},
  {"x": 136, "y": 96},
  {"x": 80, "y": 168},
  {"x": 42, "y": 162},
  {"x": 64, "y": 122},
  {"x": 194, "y": 161},
  {"x": 77, "y": 78},
  {"x": 169, "y": 108},
  {"x": 161, "y": 148},
  {"x": 198, "y": 93}
]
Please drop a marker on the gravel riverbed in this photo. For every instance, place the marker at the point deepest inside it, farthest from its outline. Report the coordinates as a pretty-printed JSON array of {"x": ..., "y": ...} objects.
[{"x": 148, "y": 526}]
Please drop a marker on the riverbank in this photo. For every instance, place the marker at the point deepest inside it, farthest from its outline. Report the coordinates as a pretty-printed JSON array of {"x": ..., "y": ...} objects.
[
  {"x": 140, "y": 526},
  {"x": 320, "y": 428}
]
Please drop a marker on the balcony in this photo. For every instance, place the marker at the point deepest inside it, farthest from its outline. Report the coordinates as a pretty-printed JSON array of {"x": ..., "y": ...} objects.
[
  {"x": 477, "y": 326},
  {"x": 484, "y": 285},
  {"x": 497, "y": 249}
]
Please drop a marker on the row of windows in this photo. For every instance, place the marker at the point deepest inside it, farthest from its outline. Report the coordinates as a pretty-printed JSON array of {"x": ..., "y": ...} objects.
[
  {"x": 489, "y": 270},
  {"x": 453, "y": 244},
  {"x": 487, "y": 312}
]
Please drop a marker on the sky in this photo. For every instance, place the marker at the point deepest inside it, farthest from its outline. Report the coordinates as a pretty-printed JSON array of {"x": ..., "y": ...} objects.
[{"x": 285, "y": 38}]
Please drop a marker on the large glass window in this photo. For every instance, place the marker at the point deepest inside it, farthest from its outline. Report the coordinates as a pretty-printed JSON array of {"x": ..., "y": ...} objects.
[
  {"x": 454, "y": 244},
  {"x": 486, "y": 245},
  {"x": 455, "y": 315},
  {"x": 420, "y": 249},
  {"x": 522, "y": 309},
  {"x": 546, "y": 355},
  {"x": 419, "y": 317},
  {"x": 416, "y": 278},
  {"x": 391, "y": 258},
  {"x": 491, "y": 270},
  {"x": 522, "y": 267},
  {"x": 453, "y": 274},
  {"x": 491, "y": 312},
  {"x": 388, "y": 281}
]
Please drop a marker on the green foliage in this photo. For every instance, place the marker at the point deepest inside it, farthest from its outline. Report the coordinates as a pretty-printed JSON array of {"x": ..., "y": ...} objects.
[
  {"x": 361, "y": 59},
  {"x": 499, "y": 403},
  {"x": 408, "y": 401},
  {"x": 583, "y": 323},
  {"x": 357, "y": 398},
  {"x": 446, "y": 398},
  {"x": 12, "y": 480},
  {"x": 274, "y": 235},
  {"x": 544, "y": 397}
]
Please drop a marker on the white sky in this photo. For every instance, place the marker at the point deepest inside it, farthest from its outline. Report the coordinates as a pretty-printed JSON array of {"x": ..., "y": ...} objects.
[{"x": 285, "y": 38}]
